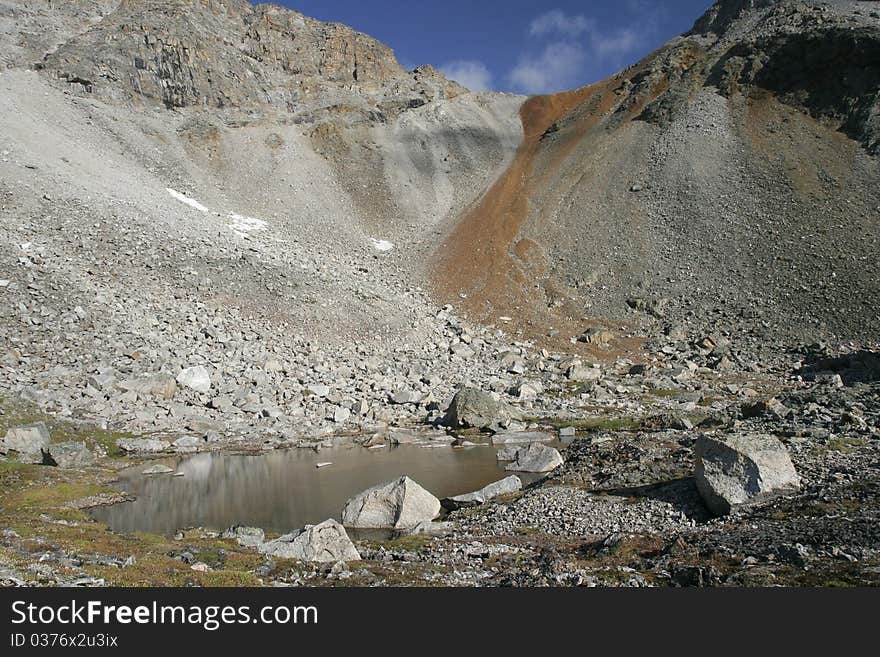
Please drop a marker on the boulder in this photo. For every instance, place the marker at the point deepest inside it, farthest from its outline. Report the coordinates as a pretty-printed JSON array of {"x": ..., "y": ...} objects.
[
  {"x": 534, "y": 457},
  {"x": 595, "y": 335},
  {"x": 472, "y": 408},
  {"x": 398, "y": 504},
  {"x": 29, "y": 441},
  {"x": 70, "y": 455},
  {"x": 157, "y": 385},
  {"x": 141, "y": 445},
  {"x": 195, "y": 378},
  {"x": 327, "y": 541},
  {"x": 247, "y": 536},
  {"x": 521, "y": 437},
  {"x": 741, "y": 469},
  {"x": 509, "y": 484},
  {"x": 583, "y": 374}
]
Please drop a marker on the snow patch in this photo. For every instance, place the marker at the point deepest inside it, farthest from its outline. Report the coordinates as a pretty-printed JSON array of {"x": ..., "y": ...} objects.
[
  {"x": 382, "y": 245},
  {"x": 243, "y": 225},
  {"x": 191, "y": 202}
]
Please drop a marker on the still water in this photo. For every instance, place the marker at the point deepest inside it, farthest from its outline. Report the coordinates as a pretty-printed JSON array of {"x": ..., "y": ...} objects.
[{"x": 284, "y": 490}]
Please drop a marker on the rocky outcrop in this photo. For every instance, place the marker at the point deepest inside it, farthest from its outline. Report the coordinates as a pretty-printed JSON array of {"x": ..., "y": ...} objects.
[
  {"x": 228, "y": 53},
  {"x": 323, "y": 542},
  {"x": 399, "y": 504},
  {"x": 741, "y": 469},
  {"x": 521, "y": 437}
]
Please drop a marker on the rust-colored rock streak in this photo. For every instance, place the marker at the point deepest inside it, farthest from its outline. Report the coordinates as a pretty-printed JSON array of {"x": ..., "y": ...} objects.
[{"x": 479, "y": 258}]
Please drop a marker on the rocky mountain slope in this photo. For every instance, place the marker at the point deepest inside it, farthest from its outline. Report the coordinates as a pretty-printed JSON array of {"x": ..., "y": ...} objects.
[{"x": 728, "y": 181}]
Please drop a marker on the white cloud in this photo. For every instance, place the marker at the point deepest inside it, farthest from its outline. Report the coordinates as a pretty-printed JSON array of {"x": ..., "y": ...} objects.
[
  {"x": 615, "y": 44},
  {"x": 555, "y": 68},
  {"x": 557, "y": 21},
  {"x": 472, "y": 74},
  {"x": 570, "y": 44}
]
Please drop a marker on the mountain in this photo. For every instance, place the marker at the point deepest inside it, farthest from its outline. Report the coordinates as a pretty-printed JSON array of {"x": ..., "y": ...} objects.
[
  {"x": 227, "y": 229},
  {"x": 727, "y": 181},
  {"x": 221, "y": 183}
]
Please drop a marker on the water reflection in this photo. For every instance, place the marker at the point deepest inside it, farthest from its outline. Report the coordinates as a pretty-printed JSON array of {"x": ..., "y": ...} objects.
[{"x": 284, "y": 490}]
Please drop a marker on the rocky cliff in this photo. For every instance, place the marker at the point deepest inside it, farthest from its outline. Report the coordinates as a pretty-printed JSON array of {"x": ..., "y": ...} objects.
[{"x": 231, "y": 54}]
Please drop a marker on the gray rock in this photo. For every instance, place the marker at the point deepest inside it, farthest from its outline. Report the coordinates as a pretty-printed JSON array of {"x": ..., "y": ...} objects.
[
  {"x": 461, "y": 350},
  {"x": 406, "y": 397},
  {"x": 581, "y": 373},
  {"x": 507, "y": 452},
  {"x": 157, "y": 385},
  {"x": 29, "y": 441},
  {"x": 195, "y": 378},
  {"x": 318, "y": 390},
  {"x": 141, "y": 445},
  {"x": 71, "y": 455},
  {"x": 741, "y": 469},
  {"x": 327, "y": 541},
  {"x": 521, "y": 437},
  {"x": 474, "y": 408},
  {"x": 247, "y": 536},
  {"x": 187, "y": 443},
  {"x": 596, "y": 335},
  {"x": 509, "y": 484},
  {"x": 535, "y": 457},
  {"x": 398, "y": 504}
]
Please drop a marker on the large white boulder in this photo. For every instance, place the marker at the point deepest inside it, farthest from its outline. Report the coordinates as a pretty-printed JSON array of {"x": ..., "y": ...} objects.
[
  {"x": 29, "y": 441},
  {"x": 398, "y": 504},
  {"x": 327, "y": 541},
  {"x": 504, "y": 486},
  {"x": 195, "y": 378},
  {"x": 533, "y": 457},
  {"x": 742, "y": 469}
]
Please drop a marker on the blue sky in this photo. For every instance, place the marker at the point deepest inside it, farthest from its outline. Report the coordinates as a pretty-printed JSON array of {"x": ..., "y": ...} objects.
[{"x": 525, "y": 47}]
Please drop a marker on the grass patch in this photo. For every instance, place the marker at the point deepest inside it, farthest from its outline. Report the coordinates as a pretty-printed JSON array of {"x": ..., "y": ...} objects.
[
  {"x": 17, "y": 413},
  {"x": 663, "y": 392},
  {"x": 845, "y": 444}
]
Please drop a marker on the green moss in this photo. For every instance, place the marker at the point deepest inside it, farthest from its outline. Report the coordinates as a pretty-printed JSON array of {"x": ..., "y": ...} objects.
[
  {"x": 57, "y": 495},
  {"x": 663, "y": 392},
  {"x": 845, "y": 444},
  {"x": 526, "y": 531}
]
